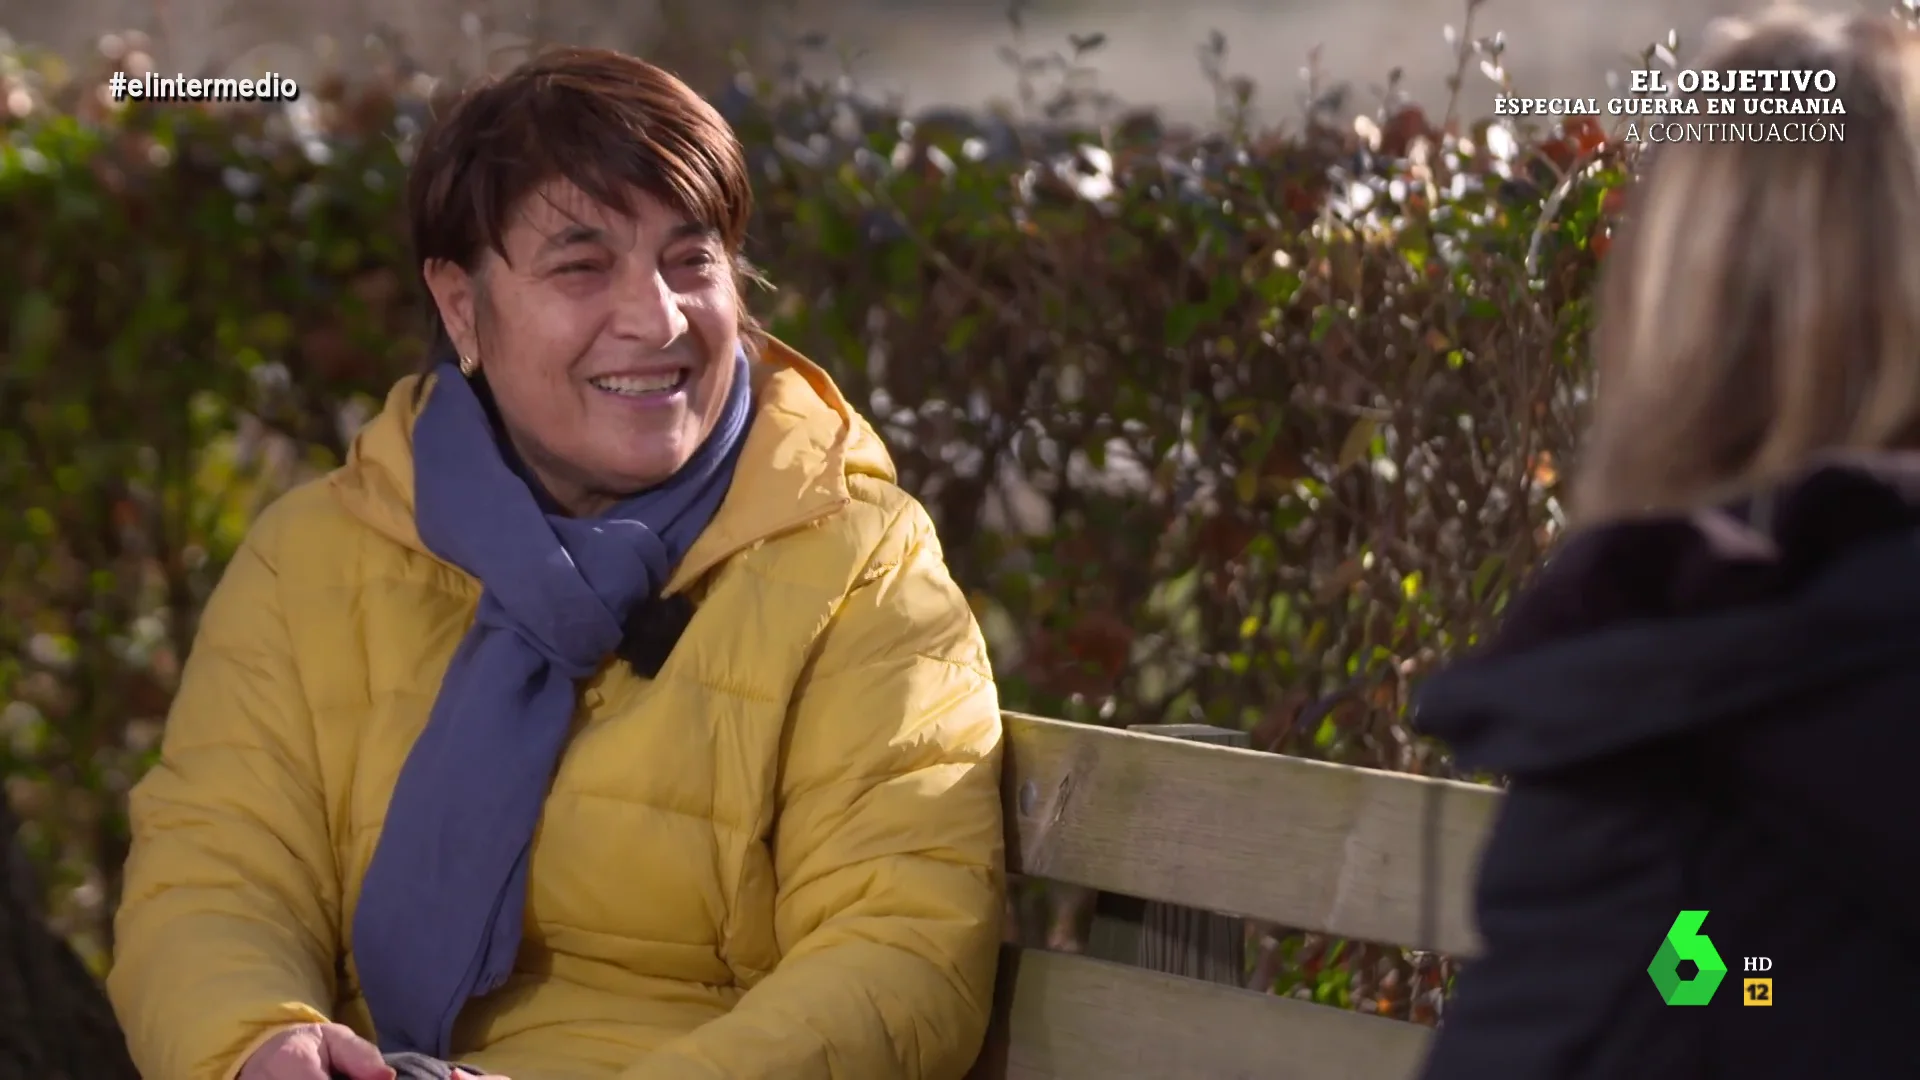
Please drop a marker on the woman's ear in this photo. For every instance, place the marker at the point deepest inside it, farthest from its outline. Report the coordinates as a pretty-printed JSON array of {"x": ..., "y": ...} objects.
[{"x": 456, "y": 295}]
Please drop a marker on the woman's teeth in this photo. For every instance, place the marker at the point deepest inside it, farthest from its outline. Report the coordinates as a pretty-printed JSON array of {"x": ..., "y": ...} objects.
[{"x": 641, "y": 384}]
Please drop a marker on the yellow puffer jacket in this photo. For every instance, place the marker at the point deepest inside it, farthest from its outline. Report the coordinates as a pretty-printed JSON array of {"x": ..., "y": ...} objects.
[{"x": 781, "y": 858}]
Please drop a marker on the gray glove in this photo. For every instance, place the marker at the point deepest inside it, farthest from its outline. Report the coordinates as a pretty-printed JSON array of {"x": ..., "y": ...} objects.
[{"x": 417, "y": 1067}]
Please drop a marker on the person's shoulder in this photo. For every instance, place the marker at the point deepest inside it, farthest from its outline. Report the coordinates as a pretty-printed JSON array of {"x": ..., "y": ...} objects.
[
  {"x": 306, "y": 528},
  {"x": 886, "y": 521},
  {"x": 879, "y": 495},
  {"x": 878, "y": 527}
]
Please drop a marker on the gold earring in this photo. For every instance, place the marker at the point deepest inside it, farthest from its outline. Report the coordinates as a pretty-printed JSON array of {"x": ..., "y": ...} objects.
[{"x": 468, "y": 365}]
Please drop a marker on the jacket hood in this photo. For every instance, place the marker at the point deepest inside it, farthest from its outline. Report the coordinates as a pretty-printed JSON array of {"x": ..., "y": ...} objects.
[
  {"x": 803, "y": 443},
  {"x": 1647, "y": 630}
]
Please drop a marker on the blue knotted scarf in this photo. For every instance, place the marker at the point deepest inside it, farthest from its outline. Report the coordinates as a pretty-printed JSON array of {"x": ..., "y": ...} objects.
[{"x": 440, "y": 912}]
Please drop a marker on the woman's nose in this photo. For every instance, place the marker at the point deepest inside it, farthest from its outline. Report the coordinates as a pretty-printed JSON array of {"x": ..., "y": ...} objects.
[{"x": 648, "y": 310}]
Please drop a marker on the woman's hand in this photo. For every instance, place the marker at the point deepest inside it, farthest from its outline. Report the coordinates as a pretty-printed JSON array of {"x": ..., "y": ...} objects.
[{"x": 316, "y": 1052}]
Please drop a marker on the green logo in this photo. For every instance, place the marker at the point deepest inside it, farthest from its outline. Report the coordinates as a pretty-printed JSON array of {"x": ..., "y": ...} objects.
[{"x": 1686, "y": 942}]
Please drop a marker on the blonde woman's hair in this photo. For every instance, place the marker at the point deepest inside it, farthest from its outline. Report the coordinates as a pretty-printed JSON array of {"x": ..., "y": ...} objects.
[{"x": 1762, "y": 304}]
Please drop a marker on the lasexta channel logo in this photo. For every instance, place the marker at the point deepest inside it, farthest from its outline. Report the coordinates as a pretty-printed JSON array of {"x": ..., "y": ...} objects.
[{"x": 1685, "y": 942}]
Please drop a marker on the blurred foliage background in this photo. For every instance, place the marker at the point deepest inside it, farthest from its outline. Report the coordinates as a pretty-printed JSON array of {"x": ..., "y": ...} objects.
[
  {"x": 1238, "y": 425},
  {"x": 934, "y": 51}
]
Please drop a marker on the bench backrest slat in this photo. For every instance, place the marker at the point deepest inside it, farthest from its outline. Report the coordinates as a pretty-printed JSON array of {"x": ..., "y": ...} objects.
[
  {"x": 1357, "y": 853},
  {"x": 1074, "y": 1018}
]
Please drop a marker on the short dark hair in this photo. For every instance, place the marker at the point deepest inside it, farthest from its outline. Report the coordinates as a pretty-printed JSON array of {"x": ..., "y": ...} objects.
[{"x": 608, "y": 123}]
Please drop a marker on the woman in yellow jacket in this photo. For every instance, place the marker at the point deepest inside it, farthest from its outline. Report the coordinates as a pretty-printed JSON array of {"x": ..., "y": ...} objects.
[{"x": 610, "y": 713}]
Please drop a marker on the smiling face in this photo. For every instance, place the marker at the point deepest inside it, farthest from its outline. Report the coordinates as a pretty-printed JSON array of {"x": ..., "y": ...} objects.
[{"x": 606, "y": 338}]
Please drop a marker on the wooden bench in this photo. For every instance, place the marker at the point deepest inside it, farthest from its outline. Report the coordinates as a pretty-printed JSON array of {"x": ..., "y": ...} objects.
[{"x": 1353, "y": 853}]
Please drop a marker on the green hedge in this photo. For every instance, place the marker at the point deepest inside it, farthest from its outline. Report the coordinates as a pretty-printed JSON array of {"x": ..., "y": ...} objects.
[{"x": 1245, "y": 429}]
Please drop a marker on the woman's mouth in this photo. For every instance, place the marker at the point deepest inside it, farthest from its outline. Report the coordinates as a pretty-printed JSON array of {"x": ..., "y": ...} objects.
[{"x": 642, "y": 386}]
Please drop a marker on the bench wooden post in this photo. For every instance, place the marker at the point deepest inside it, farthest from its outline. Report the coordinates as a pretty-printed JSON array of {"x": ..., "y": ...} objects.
[{"x": 1168, "y": 937}]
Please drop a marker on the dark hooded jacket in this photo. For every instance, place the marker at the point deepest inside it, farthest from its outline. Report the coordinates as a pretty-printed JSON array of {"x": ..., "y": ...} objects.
[{"x": 1718, "y": 713}]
